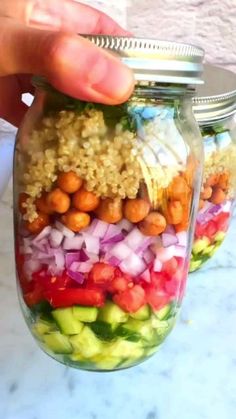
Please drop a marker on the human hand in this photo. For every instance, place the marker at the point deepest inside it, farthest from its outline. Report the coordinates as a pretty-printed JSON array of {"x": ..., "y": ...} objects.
[{"x": 38, "y": 37}]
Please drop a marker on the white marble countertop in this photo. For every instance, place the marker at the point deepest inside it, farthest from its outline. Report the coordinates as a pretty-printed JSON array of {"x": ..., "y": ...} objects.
[{"x": 192, "y": 377}]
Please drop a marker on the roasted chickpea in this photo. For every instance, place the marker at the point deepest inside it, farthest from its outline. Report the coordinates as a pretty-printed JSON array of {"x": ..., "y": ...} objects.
[
  {"x": 212, "y": 180},
  {"x": 69, "y": 182},
  {"x": 218, "y": 196},
  {"x": 153, "y": 225},
  {"x": 110, "y": 210},
  {"x": 58, "y": 201},
  {"x": 135, "y": 210},
  {"x": 206, "y": 193},
  {"x": 223, "y": 182},
  {"x": 76, "y": 220},
  {"x": 85, "y": 201},
  {"x": 42, "y": 204},
  {"x": 36, "y": 226},
  {"x": 174, "y": 214}
]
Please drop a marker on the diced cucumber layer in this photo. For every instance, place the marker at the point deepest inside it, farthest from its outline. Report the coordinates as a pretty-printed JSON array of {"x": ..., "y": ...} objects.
[
  {"x": 66, "y": 321},
  {"x": 123, "y": 349},
  {"x": 41, "y": 327},
  {"x": 57, "y": 343},
  {"x": 108, "y": 338},
  {"x": 85, "y": 314},
  {"x": 142, "y": 314},
  {"x": 199, "y": 245},
  {"x": 111, "y": 313},
  {"x": 86, "y": 343},
  {"x": 104, "y": 331},
  {"x": 164, "y": 313},
  {"x": 106, "y": 362}
]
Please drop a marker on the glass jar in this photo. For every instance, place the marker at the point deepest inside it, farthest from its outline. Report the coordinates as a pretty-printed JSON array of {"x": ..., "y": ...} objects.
[
  {"x": 215, "y": 111},
  {"x": 105, "y": 198}
]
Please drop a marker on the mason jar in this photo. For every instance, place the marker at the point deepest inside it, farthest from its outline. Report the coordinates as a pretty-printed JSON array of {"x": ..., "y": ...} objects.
[
  {"x": 105, "y": 202},
  {"x": 215, "y": 111}
]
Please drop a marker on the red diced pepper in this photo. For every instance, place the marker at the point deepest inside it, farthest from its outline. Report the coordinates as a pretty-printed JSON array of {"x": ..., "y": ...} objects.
[{"x": 71, "y": 296}]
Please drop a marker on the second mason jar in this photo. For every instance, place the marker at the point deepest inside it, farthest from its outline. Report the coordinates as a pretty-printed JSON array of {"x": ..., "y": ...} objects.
[
  {"x": 105, "y": 198},
  {"x": 215, "y": 111}
]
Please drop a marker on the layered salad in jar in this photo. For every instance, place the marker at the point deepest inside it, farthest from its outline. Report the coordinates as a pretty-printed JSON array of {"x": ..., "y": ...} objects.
[
  {"x": 104, "y": 201},
  {"x": 217, "y": 195}
]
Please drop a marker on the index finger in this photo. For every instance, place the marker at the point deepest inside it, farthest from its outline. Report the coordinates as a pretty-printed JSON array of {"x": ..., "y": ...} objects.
[{"x": 70, "y": 16}]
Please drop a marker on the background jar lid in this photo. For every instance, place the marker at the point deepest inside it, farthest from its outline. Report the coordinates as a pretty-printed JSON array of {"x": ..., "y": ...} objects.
[
  {"x": 156, "y": 61},
  {"x": 216, "y": 99}
]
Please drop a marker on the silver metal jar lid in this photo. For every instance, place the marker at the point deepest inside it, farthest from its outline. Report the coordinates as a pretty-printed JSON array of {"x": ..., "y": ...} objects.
[
  {"x": 156, "y": 61},
  {"x": 216, "y": 99}
]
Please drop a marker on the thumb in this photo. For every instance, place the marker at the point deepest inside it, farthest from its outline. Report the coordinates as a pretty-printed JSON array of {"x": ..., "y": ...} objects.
[{"x": 70, "y": 63}]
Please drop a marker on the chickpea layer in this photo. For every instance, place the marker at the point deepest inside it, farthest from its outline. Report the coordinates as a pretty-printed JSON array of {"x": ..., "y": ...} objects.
[
  {"x": 69, "y": 182},
  {"x": 58, "y": 201},
  {"x": 153, "y": 225},
  {"x": 135, "y": 210},
  {"x": 76, "y": 220},
  {"x": 110, "y": 211},
  {"x": 85, "y": 201}
]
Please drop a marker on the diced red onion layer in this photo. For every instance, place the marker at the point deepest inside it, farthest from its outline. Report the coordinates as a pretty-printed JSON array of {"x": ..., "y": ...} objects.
[
  {"x": 115, "y": 239},
  {"x": 148, "y": 256},
  {"x": 55, "y": 238},
  {"x": 165, "y": 253},
  {"x": 75, "y": 266},
  {"x": 120, "y": 251},
  {"x": 65, "y": 231},
  {"x": 113, "y": 261},
  {"x": 226, "y": 207},
  {"x": 76, "y": 276},
  {"x": 59, "y": 260},
  {"x": 91, "y": 243},
  {"x": 85, "y": 267},
  {"x": 169, "y": 239},
  {"x": 125, "y": 225},
  {"x": 72, "y": 257},
  {"x": 44, "y": 233},
  {"x": 83, "y": 255},
  {"x": 157, "y": 266},
  {"x": 134, "y": 239},
  {"x": 182, "y": 238},
  {"x": 92, "y": 257},
  {"x": 31, "y": 266},
  {"x": 145, "y": 244},
  {"x": 73, "y": 243},
  {"x": 169, "y": 230},
  {"x": 146, "y": 276},
  {"x": 41, "y": 245},
  {"x": 180, "y": 251},
  {"x": 133, "y": 265},
  {"x": 112, "y": 231}
]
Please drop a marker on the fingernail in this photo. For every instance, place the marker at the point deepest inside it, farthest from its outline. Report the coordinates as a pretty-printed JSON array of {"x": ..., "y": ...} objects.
[
  {"x": 44, "y": 17},
  {"x": 111, "y": 78}
]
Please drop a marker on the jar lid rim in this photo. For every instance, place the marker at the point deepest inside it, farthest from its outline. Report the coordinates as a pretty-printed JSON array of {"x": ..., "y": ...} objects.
[
  {"x": 155, "y": 60},
  {"x": 216, "y": 99}
]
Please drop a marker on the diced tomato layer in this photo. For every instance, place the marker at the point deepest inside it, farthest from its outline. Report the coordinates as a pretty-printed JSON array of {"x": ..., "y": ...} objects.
[
  {"x": 71, "y": 296},
  {"x": 131, "y": 300},
  {"x": 119, "y": 284},
  {"x": 222, "y": 221},
  {"x": 49, "y": 282},
  {"x": 102, "y": 273},
  {"x": 170, "y": 267},
  {"x": 156, "y": 297},
  {"x": 34, "y": 297}
]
